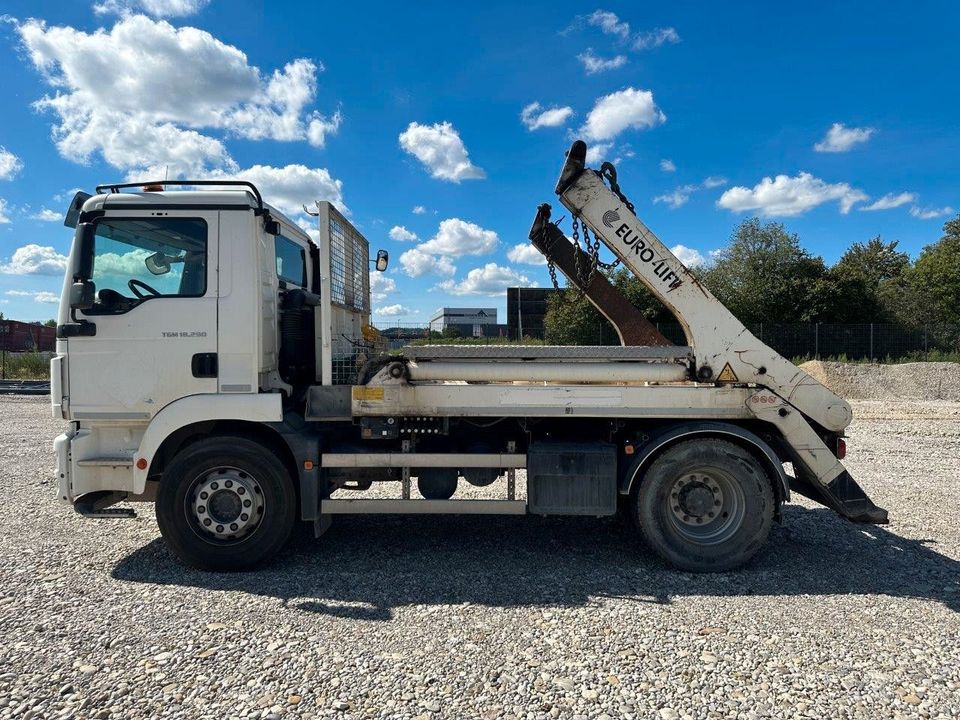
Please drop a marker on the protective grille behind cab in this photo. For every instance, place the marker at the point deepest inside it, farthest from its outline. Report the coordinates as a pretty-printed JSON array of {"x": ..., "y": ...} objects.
[{"x": 349, "y": 264}]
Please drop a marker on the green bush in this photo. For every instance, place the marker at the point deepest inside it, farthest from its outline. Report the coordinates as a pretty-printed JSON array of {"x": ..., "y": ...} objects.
[{"x": 25, "y": 366}]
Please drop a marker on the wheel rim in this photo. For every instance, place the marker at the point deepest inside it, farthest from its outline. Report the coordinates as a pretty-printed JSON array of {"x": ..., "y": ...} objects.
[
  {"x": 225, "y": 505},
  {"x": 707, "y": 506}
]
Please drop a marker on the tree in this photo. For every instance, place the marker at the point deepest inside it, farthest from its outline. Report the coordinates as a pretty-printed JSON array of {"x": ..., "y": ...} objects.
[
  {"x": 935, "y": 278},
  {"x": 763, "y": 275},
  {"x": 572, "y": 319},
  {"x": 51, "y": 323},
  {"x": 853, "y": 289}
]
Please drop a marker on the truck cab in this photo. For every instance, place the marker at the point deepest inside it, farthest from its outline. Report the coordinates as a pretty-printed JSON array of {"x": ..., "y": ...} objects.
[{"x": 192, "y": 306}]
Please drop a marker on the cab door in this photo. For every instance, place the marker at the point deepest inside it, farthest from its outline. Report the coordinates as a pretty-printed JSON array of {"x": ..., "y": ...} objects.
[{"x": 156, "y": 284}]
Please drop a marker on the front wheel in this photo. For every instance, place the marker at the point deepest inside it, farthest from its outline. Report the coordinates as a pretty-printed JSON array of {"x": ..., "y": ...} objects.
[
  {"x": 705, "y": 505},
  {"x": 226, "y": 504}
]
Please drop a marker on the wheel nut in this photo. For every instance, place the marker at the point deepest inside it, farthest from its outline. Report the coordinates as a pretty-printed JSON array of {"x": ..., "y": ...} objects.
[
  {"x": 203, "y": 496},
  {"x": 241, "y": 490},
  {"x": 716, "y": 503},
  {"x": 206, "y": 521},
  {"x": 247, "y": 503},
  {"x": 234, "y": 526},
  {"x": 244, "y": 517},
  {"x": 219, "y": 528},
  {"x": 201, "y": 509},
  {"x": 214, "y": 486},
  {"x": 228, "y": 483}
]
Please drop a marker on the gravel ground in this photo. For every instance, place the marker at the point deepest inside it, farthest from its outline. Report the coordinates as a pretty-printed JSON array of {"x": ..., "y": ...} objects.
[
  {"x": 517, "y": 617},
  {"x": 906, "y": 381}
]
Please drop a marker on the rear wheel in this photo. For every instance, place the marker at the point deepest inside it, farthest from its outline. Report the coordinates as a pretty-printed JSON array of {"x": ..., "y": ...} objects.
[
  {"x": 226, "y": 504},
  {"x": 705, "y": 505}
]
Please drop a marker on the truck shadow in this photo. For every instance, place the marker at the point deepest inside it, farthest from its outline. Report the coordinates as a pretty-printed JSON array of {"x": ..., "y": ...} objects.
[{"x": 365, "y": 566}]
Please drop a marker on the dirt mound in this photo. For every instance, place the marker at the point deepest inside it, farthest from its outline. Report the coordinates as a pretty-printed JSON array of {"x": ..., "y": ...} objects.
[{"x": 909, "y": 381}]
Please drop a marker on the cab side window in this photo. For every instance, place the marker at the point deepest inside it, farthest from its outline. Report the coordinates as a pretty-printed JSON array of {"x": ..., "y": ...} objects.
[
  {"x": 137, "y": 259},
  {"x": 291, "y": 261}
]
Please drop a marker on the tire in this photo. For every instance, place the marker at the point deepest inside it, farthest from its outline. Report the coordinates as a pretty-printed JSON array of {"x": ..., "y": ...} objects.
[
  {"x": 437, "y": 483},
  {"x": 234, "y": 475},
  {"x": 705, "y": 505}
]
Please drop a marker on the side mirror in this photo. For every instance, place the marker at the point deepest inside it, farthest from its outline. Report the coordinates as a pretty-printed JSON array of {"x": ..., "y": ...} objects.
[
  {"x": 383, "y": 259},
  {"x": 81, "y": 260},
  {"x": 82, "y": 295},
  {"x": 158, "y": 263},
  {"x": 76, "y": 205}
]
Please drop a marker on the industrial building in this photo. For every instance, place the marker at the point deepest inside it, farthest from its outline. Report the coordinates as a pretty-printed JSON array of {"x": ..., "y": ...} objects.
[
  {"x": 468, "y": 322},
  {"x": 526, "y": 310}
]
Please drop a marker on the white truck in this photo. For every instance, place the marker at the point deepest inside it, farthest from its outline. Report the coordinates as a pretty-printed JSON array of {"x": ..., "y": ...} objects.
[{"x": 212, "y": 359}]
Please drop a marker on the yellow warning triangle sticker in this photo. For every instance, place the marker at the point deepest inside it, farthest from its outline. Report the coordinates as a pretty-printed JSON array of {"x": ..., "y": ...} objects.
[{"x": 727, "y": 374}]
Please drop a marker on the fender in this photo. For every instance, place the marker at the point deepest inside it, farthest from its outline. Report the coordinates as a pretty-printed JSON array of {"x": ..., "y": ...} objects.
[
  {"x": 260, "y": 408},
  {"x": 706, "y": 429}
]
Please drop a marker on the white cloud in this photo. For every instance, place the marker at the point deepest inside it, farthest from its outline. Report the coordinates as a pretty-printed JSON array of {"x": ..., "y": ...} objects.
[
  {"x": 618, "y": 111},
  {"x": 688, "y": 256},
  {"x": 526, "y": 254},
  {"x": 321, "y": 126},
  {"x": 786, "y": 196},
  {"x": 156, "y": 8},
  {"x": 441, "y": 151},
  {"x": 397, "y": 310},
  {"x": 417, "y": 263},
  {"x": 840, "y": 138},
  {"x": 931, "y": 213},
  {"x": 35, "y": 260},
  {"x": 47, "y": 215},
  {"x": 401, "y": 234},
  {"x": 714, "y": 181},
  {"x": 4, "y": 218},
  {"x": 66, "y": 194},
  {"x": 655, "y": 38},
  {"x": 668, "y": 166},
  {"x": 174, "y": 84},
  {"x": 536, "y": 116},
  {"x": 419, "y": 210},
  {"x": 890, "y": 201},
  {"x": 593, "y": 63},
  {"x": 490, "y": 280},
  {"x": 125, "y": 265},
  {"x": 381, "y": 286},
  {"x": 10, "y": 164},
  {"x": 609, "y": 23},
  {"x": 597, "y": 153},
  {"x": 40, "y": 296},
  {"x": 678, "y": 197},
  {"x": 458, "y": 237},
  {"x": 291, "y": 187}
]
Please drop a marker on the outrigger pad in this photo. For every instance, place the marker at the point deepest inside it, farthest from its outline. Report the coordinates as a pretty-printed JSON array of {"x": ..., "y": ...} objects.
[{"x": 849, "y": 499}]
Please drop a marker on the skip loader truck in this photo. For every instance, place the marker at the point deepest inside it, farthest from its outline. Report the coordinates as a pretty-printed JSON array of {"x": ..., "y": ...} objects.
[{"x": 214, "y": 360}]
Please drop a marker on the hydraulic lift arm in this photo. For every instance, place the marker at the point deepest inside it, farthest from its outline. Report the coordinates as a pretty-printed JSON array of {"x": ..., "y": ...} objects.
[
  {"x": 724, "y": 350},
  {"x": 631, "y": 325}
]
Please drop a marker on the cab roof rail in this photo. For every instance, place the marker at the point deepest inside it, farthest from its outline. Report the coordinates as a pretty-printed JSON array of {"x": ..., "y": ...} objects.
[{"x": 116, "y": 187}]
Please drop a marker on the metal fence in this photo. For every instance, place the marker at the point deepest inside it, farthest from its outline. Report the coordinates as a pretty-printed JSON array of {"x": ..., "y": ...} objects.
[{"x": 855, "y": 341}]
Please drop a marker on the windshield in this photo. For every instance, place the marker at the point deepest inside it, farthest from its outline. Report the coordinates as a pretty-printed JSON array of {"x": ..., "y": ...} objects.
[{"x": 135, "y": 259}]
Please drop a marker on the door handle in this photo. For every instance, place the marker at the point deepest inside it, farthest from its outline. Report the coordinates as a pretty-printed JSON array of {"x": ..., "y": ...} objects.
[{"x": 204, "y": 365}]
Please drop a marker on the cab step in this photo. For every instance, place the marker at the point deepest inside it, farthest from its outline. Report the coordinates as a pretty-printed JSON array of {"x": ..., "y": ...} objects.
[{"x": 98, "y": 505}]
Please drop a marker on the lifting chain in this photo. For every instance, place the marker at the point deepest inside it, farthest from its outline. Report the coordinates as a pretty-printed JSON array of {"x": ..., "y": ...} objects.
[{"x": 609, "y": 173}]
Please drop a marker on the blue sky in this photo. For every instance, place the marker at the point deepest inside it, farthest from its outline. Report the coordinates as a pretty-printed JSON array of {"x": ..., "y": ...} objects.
[{"x": 840, "y": 122}]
